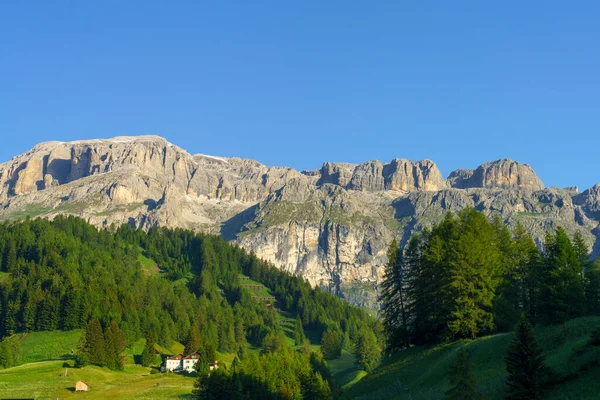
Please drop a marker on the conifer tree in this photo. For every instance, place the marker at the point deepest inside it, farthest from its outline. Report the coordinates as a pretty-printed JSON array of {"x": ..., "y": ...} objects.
[
  {"x": 592, "y": 289},
  {"x": 115, "y": 346},
  {"x": 331, "y": 344},
  {"x": 368, "y": 353},
  {"x": 525, "y": 364},
  {"x": 562, "y": 294},
  {"x": 394, "y": 311},
  {"x": 475, "y": 275},
  {"x": 461, "y": 378},
  {"x": 194, "y": 342},
  {"x": 149, "y": 353},
  {"x": 299, "y": 336},
  {"x": 92, "y": 346}
]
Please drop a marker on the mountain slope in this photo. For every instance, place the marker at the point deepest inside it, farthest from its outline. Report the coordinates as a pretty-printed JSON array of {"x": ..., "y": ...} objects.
[
  {"x": 421, "y": 372},
  {"x": 332, "y": 225}
]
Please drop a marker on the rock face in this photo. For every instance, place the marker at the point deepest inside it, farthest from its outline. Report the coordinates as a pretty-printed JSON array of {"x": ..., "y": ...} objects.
[
  {"x": 505, "y": 174},
  {"x": 331, "y": 225}
]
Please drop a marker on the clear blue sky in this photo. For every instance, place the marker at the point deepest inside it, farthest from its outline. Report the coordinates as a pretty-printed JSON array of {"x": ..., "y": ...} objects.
[{"x": 301, "y": 82}]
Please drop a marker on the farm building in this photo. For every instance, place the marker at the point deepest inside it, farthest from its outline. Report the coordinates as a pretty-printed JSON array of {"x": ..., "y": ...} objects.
[{"x": 81, "y": 386}]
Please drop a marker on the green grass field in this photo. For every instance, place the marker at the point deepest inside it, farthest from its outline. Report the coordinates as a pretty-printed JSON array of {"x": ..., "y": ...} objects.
[
  {"x": 43, "y": 380},
  {"x": 420, "y": 372}
]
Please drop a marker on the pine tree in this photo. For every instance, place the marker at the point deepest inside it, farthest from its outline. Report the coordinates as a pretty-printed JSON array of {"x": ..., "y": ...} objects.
[
  {"x": 461, "y": 378},
  {"x": 92, "y": 347},
  {"x": 525, "y": 364},
  {"x": 592, "y": 289},
  {"x": 562, "y": 294},
  {"x": 114, "y": 346},
  {"x": 194, "y": 342},
  {"x": 475, "y": 275},
  {"x": 331, "y": 344},
  {"x": 149, "y": 353},
  {"x": 368, "y": 353},
  {"x": 299, "y": 336},
  {"x": 394, "y": 311}
]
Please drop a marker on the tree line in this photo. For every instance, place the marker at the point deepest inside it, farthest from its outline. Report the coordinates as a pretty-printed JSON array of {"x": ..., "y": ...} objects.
[{"x": 469, "y": 276}]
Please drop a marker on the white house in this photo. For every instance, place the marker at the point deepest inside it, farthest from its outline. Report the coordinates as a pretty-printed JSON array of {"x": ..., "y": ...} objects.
[
  {"x": 181, "y": 363},
  {"x": 173, "y": 363},
  {"x": 189, "y": 362}
]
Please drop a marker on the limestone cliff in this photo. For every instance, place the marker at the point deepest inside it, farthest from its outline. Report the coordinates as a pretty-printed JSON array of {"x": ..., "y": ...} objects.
[{"x": 331, "y": 225}]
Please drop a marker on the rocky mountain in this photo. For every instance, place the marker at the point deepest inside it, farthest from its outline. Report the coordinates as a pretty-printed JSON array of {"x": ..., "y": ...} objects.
[{"x": 331, "y": 225}]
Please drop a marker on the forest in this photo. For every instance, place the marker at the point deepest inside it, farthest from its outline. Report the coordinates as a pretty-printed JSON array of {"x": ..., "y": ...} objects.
[
  {"x": 66, "y": 274},
  {"x": 469, "y": 276}
]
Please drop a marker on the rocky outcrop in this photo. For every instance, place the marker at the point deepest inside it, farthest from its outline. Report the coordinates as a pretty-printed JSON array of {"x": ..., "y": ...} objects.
[
  {"x": 505, "y": 174},
  {"x": 373, "y": 176},
  {"x": 330, "y": 225}
]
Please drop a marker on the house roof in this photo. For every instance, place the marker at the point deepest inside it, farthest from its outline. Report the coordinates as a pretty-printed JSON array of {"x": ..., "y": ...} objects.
[
  {"x": 175, "y": 357},
  {"x": 193, "y": 356}
]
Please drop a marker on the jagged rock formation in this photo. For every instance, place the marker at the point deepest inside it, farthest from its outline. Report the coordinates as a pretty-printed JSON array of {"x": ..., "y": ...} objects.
[
  {"x": 505, "y": 174},
  {"x": 332, "y": 225}
]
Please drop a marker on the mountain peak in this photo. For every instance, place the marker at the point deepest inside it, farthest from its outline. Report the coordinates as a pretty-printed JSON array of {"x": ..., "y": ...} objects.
[{"x": 503, "y": 174}]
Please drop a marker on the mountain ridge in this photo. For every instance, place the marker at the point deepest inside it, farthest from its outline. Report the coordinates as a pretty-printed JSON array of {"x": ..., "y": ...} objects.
[{"x": 332, "y": 225}]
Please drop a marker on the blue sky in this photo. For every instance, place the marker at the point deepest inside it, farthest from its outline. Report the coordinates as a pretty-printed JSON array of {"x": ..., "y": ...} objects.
[{"x": 299, "y": 83}]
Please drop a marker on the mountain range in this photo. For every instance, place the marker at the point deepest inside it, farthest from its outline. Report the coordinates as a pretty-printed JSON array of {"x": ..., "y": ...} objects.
[{"x": 331, "y": 225}]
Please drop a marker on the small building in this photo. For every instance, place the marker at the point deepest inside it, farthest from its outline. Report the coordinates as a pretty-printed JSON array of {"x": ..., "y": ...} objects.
[
  {"x": 81, "y": 386},
  {"x": 189, "y": 362},
  {"x": 181, "y": 363},
  {"x": 173, "y": 363},
  {"x": 213, "y": 365}
]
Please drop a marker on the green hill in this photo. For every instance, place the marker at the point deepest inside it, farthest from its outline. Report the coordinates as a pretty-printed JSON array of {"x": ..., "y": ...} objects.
[
  {"x": 420, "y": 372},
  {"x": 43, "y": 380}
]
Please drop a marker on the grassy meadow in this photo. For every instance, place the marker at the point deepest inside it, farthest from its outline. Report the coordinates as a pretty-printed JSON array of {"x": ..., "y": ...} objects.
[{"x": 420, "y": 372}]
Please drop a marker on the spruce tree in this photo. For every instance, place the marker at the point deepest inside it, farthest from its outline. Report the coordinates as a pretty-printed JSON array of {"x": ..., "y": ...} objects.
[
  {"x": 525, "y": 364},
  {"x": 592, "y": 289},
  {"x": 331, "y": 344},
  {"x": 368, "y": 352},
  {"x": 92, "y": 344},
  {"x": 394, "y": 307},
  {"x": 115, "y": 346},
  {"x": 562, "y": 294},
  {"x": 149, "y": 353},
  {"x": 194, "y": 342},
  {"x": 299, "y": 336},
  {"x": 475, "y": 274},
  {"x": 461, "y": 378}
]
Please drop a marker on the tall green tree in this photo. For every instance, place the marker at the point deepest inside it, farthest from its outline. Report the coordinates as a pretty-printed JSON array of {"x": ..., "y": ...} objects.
[
  {"x": 299, "y": 336},
  {"x": 194, "y": 341},
  {"x": 115, "y": 346},
  {"x": 475, "y": 275},
  {"x": 562, "y": 294},
  {"x": 394, "y": 306},
  {"x": 368, "y": 352},
  {"x": 331, "y": 344},
  {"x": 92, "y": 347},
  {"x": 461, "y": 378},
  {"x": 525, "y": 364},
  {"x": 149, "y": 352}
]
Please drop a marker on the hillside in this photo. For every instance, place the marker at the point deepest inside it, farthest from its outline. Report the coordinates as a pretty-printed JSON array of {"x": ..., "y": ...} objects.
[
  {"x": 331, "y": 225},
  {"x": 420, "y": 372},
  {"x": 73, "y": 293}
]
